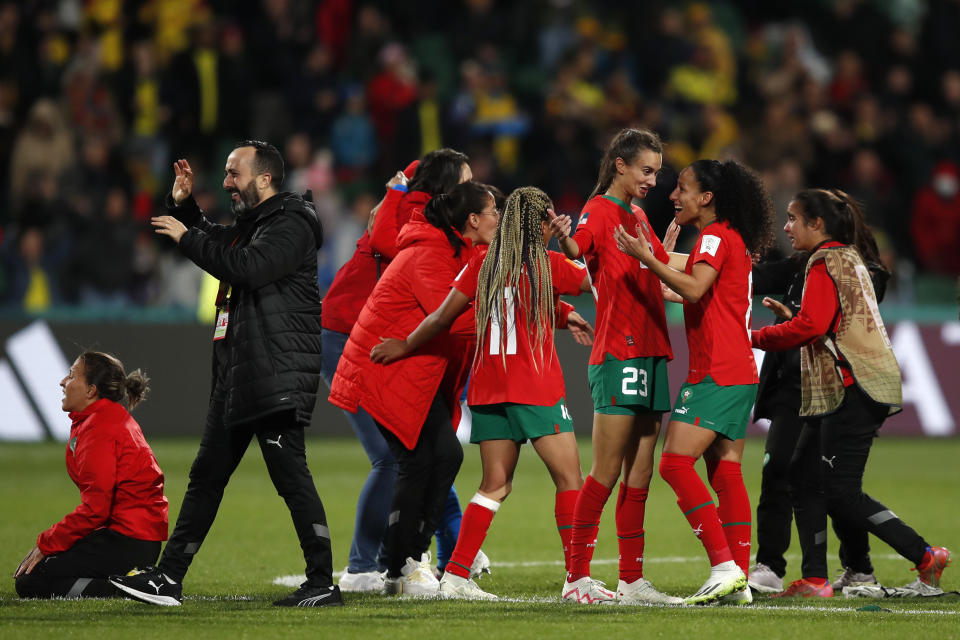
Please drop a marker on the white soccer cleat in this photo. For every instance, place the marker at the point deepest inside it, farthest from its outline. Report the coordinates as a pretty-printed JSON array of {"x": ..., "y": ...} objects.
[
  {"x": 741, "y": 597},
  {"x": 587, "y": 591},
  {"x": 417, "y": 579},
  {"x": 851, "y": 578},
  {"x": 642, "y": 592},
  {"x": 480, "y": 566},
  {"x": 764, "y": 580},
  {"x": 452, "y": 586},
  {"x": 364, "y": 582},
  {"x": 720, "y": 583}
]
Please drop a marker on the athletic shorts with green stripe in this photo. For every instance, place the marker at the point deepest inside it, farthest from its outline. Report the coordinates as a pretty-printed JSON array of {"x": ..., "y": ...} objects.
[
  {"x": 518, "y": 422},
  {"x": 724, "y": 409},
  {"x": 629, "y": 387}
]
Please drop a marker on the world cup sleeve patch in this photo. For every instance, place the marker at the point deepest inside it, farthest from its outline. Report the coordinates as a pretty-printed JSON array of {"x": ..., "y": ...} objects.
[{"x": 710, "y": 244}]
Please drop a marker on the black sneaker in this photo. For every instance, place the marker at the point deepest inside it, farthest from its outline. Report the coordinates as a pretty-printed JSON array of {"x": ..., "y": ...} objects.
[
  {"x": 150, "y": 585},
  {"x": 308, "y": 596}
]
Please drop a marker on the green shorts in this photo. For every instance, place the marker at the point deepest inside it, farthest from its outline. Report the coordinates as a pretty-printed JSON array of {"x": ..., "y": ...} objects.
[
  {"x": 629, "y": 387},
  {"x": 724, "y": 409},
  {"x": 518, "y": 422}
]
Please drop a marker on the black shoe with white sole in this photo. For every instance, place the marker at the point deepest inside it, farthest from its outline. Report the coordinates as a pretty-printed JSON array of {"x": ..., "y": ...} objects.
[
  {"x": 149, "y": 585},
  {"x": 308, "y": 596}
]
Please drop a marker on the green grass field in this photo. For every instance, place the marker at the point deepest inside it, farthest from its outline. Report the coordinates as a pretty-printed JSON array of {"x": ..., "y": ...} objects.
[{"x": 230, "y": 586}]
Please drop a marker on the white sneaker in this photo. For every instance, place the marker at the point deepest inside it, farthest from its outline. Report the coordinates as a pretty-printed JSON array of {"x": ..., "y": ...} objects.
[
  {"x": 737, "y": 597},
  {"x": 587, "y": 591},
  {"x": 364, "y": 582},
  {"x": 480, "y": 566},
  {"x": 722, "y": 581},
  {"x": 851, "y": 578},
  {"x": 452, "y": 586},
  {"x": 417, "y": 579},
  {"x": 764, "y": 580},
  {"x": 642, "y": 592}
]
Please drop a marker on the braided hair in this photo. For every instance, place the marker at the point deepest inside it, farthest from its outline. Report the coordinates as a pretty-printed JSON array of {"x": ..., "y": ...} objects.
[
  {"x": 740, "y": 198},
  {"x": 517, "y": 264}
]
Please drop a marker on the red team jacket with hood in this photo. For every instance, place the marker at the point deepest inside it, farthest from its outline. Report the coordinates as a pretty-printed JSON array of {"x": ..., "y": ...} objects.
[
  {"x": 120, "y": 482},
  {"x": 399, "y": 395}
]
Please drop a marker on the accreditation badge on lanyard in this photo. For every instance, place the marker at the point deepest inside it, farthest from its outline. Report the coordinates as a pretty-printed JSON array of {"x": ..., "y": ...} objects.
[{"x": 223, "y": 312}]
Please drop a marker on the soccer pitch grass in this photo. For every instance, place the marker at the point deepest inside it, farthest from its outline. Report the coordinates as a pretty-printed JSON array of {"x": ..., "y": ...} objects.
[{"x": 231, "y": 583}]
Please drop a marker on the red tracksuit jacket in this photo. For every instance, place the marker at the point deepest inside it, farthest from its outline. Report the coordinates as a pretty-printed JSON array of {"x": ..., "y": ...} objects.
[{"x": 120, "y": 482}]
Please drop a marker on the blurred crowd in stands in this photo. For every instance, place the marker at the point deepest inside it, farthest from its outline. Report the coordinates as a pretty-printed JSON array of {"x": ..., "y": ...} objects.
[{"x": 98, "y": 97}]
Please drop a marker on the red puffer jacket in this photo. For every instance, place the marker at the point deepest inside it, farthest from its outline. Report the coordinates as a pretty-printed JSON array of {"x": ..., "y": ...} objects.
[
  {"x": 384, "y": 237},
  {"x": 398, "y": 395}
]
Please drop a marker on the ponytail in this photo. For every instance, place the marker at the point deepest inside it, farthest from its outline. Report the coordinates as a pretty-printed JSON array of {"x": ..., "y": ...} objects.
[
  {"x": 448, "y": 211},
  {"x": 106, "y": 373},
  {"x": 626, "y": 145}
]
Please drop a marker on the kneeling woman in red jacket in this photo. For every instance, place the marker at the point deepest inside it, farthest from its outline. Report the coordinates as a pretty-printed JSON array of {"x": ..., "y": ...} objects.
[
  {"x": 414, "y": 400},
  {"x": 122, "y": 516}
]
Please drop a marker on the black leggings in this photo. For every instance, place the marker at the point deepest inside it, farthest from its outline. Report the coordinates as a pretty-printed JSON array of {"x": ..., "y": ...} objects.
[
  {"x": 826, "y": 477},
  {"x": 774, "y": 509},
  {"x": 83, "y": 569},
  {"x": 425, "y": 475}
]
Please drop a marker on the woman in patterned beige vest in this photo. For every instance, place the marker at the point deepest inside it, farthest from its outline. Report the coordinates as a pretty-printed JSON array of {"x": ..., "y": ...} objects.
[{"x": 850, "y": 383}]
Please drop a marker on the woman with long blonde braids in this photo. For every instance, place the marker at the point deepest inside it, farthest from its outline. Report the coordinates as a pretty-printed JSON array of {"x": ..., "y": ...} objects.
[{"x": 516, "y": 386}]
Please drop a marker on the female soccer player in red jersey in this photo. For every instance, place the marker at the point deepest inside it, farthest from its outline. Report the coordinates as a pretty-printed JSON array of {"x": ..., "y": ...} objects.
[
  {"x": 516, "y": 384},
  {"x": 850, "y": 383},
  {"x": 627, "y": 367},
  {"x": 728, "y": 204}
]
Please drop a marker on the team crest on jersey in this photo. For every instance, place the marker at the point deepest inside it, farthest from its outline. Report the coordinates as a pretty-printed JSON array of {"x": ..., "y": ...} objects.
[
  {"x": 686, "y": 395},
  {"x": 630, "y": 341},
  {"x": 73, "y": 444}
]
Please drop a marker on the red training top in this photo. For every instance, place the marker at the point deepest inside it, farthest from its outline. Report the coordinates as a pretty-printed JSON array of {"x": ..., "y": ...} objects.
[
  {"x": 120, "y": 482},
  {"x": 631, "y": 321},
  {"x": 526, "y": 379},
  {"x": 718, "y": 325},
  {"x": 819, "y": 314}
]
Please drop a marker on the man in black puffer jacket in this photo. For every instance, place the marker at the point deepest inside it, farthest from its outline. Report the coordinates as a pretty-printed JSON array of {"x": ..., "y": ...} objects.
[{"x": 266, "y": 363}]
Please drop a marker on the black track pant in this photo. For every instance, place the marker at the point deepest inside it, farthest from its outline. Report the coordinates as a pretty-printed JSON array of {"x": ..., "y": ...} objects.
[
  {"x": 221, "y": 449},
  {"x": 826, "y": 477},
  {"x": 774, "y": 508},
  {"x": 424, "y": 478},
  {"x": 83, "y": 569}
]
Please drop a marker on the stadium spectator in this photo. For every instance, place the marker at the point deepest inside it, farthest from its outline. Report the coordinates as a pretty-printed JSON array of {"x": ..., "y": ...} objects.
[
  {"x": 627, "y": 369},
  {"x": 850, "y": 383},
  {"x": 122, "y": 516},
  {"x": 730, "y": 207},
  {"x": 266, "y": 363},
  {"x": 415, "y": 401},
  {"x": 935, "y": 220}
]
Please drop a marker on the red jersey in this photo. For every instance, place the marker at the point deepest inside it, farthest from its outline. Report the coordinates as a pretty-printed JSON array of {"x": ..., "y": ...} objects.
[
  {"x": 120, "y": 482},
  {"x": 631, "y": 321},
  {"x": 526, "y": 379},
  {"x": 718, "y": 326}
]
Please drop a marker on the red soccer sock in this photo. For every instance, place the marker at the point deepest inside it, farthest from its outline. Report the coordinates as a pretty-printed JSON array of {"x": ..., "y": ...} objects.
[
  {"x": 734, "y": 509},
  {"x": 631, "y": 504},
  {"x": 586, "y": 522},
  {"x": 473, "y": 530},
  {"x": 563, "y": 507},
  {"x": 695, "y": 503}
]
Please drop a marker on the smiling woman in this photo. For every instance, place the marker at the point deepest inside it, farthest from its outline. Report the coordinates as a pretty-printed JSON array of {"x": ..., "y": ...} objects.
[{"x": 111, "y": 531}]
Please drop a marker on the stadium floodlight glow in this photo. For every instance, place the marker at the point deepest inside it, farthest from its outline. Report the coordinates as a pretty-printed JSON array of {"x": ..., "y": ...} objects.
[
  {"x": 40, "y": 363},
  {"x": 17, "y": 420}
]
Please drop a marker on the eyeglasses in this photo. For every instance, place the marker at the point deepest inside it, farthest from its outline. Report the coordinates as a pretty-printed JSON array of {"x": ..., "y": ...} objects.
[{"x": 495, "y": 213}]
